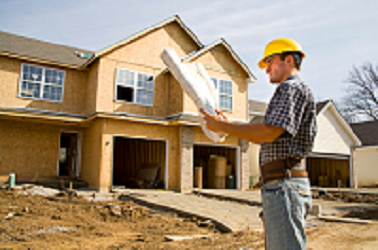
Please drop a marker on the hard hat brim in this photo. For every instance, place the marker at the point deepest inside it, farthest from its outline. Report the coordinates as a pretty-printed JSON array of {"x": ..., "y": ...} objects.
[{"x": 263, "y": 65}]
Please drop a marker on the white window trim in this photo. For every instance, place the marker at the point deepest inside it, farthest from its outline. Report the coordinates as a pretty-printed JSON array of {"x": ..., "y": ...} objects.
[
  {"x": 135, "y": 87},
  {"x": 219, "y": 94},
  {"x": 42, "y": 83}
]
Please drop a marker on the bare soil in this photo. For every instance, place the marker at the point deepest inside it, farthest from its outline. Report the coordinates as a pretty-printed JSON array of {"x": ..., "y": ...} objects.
[{"x": 35, "y": 222}]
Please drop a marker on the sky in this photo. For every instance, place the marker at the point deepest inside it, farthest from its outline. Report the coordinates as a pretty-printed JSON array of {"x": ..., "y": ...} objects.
[{"x": 335, "y": 35}]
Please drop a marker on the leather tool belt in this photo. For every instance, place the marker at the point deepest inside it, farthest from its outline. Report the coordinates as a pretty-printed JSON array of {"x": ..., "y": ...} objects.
[{"x": 281, "y": 169}]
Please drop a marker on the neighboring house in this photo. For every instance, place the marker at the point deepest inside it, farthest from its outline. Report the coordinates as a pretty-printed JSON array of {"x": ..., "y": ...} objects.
[
  {"x": 366, "y": 156},
  {"x": 331, "y": 159},
  {"x": 101, "y": 116}
]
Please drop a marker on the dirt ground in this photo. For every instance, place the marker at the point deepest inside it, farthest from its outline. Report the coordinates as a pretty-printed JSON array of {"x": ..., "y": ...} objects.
[{"x": 35, "y": 222}]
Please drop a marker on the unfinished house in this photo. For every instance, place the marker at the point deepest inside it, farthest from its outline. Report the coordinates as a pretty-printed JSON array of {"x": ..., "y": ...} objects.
[{"x": 117, "y": 117}]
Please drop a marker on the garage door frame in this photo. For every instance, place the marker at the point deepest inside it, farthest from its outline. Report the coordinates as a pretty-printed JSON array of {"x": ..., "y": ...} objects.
[{"x": 166, "y": 172}]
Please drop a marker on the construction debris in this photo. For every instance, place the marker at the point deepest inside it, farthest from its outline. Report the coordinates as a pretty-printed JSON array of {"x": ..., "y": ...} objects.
[
  {"x": 342, "y": 219},
  {"x": 184, "y": 237}
]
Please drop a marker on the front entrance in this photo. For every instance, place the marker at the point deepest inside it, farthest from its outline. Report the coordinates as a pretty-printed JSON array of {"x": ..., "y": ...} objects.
[{"x": 67, "y": 154}]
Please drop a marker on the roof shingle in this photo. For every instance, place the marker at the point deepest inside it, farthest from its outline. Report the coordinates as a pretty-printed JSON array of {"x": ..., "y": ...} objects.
[
  {"x": 367, "y": 132},
  {"x": 36, "y": 49}
]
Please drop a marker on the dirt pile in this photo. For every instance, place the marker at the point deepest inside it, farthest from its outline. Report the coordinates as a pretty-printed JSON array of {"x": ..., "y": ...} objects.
[{"x": 62, "y": 222}]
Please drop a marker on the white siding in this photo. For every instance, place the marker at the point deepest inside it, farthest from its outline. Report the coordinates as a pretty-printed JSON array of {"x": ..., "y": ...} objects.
[
  {"x": 366, "y": 166},
  {"x": 332, "y": 137}
]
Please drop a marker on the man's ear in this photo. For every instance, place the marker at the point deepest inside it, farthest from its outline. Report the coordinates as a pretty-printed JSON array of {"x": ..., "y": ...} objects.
[{"x": 289, "y": 59}]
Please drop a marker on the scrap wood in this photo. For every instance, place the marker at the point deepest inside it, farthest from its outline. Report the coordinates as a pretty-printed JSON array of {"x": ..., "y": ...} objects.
[
  {"x": 341, "y": 219},
  {"x": 184, "y": 237}
]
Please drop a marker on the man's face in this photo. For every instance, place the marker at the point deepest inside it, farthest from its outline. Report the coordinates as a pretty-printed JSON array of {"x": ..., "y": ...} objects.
[{"x": 276, "y": 69}]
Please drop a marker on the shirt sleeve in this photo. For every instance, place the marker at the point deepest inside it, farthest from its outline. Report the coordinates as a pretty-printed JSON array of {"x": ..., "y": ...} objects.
[{"x": 286, "y": 109}]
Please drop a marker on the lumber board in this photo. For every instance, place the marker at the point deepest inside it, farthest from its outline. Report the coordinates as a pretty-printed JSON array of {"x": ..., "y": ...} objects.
[{"x": 342, "y": 219}]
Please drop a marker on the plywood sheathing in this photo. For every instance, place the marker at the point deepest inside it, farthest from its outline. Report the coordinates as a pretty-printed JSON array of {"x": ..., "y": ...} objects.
[
  {"x": 28, "y": 148},
  {"x": 73, "y": 96},
  {"x": 175, "y": 20},
  {"x": 142, "y": 55},
  {"x": 92, "y": 89},
  {"x": 92, "y": 153},
  {"x": 220, "y": 64}
]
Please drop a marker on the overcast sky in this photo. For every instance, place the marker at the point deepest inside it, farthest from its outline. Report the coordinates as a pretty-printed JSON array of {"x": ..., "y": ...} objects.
[{"x": 335, "y": 35}]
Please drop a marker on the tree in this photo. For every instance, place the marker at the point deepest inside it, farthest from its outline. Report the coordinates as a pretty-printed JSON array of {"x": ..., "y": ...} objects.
[{"x": 360, "y": 102}]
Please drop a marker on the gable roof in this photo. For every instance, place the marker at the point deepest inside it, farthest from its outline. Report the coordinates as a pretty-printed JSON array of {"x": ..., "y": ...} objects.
[
  {"x": 198, "y": 53},
  {"x": 35, "y": 50},
  {"x": 367, "y": 132},
  {"x": 322, "y": 107},
  {"x": 175, "y": 18}
]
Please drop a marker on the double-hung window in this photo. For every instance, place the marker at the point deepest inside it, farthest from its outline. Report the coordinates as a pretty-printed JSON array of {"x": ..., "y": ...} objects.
[
  {"x": 41, "y": 83},
  {"x": 225, "y": 93},
  {"x": 134, "y": 87}
]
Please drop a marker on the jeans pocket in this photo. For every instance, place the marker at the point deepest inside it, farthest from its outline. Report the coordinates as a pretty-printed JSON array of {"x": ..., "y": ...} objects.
[{"x": 300, "y": 199}]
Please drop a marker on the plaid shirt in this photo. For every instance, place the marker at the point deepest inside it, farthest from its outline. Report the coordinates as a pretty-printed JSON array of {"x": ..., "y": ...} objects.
[{"x": 292, "y": 108}]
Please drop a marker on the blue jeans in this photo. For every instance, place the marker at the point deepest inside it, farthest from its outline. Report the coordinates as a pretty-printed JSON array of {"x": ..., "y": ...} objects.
[{"x": 286, "y": 204}]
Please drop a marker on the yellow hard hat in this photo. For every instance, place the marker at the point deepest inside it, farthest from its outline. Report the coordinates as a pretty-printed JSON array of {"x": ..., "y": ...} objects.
[{"x": 278, "y": 46}]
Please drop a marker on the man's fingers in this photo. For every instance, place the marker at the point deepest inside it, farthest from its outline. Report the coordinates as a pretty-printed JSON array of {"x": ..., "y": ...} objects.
[{"x": 204, "y": 112}]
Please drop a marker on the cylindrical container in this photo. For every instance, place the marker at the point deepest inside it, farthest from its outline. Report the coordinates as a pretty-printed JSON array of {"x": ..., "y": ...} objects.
[
  {"x": 12, "y": 180},
  {"x": 230, "y": 182}
]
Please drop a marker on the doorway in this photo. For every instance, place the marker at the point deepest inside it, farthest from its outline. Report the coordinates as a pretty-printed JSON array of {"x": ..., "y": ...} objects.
[{"x": 68, "y": 154}]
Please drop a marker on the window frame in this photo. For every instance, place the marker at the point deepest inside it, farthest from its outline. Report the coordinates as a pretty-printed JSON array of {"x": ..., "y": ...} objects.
[
  {"x": 42, "y": 83},
  {"x": 135, "y": 87},
  {"x": 217, "y": 88}
]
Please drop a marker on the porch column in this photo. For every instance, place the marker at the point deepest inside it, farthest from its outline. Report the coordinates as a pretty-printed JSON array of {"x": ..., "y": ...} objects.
[
  {"x": 186, "y": 159},
  {"x": 244, "y": 164}
]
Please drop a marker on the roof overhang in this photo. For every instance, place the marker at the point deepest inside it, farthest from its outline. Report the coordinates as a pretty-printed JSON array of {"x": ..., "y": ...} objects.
[
  {"x": 40, "y": 61},
  {"x": 193, "y": 56}
]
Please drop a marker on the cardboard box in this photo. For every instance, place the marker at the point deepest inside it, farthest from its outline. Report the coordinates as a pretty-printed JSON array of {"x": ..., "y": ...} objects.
[
  {"x": 216, "y": 167},
  {"x": 198, "y": 177},
  {"x": 217, "y": 182}
]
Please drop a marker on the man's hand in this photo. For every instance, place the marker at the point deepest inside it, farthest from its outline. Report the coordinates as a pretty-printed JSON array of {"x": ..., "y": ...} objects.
[{"x": 215, "y": 123}]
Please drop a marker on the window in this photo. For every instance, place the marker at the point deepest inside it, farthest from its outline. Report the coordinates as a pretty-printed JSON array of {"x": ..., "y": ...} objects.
[
  {"x": 224, "y": 91},
  {"x": 134, "y": 87},
  {"x": 41, "y": 83}
]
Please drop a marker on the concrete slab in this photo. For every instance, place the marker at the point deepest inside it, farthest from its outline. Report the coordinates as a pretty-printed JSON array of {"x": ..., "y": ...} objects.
[
  {"x": 227, "y": 216},
  {"x": 230, "y": 210}
]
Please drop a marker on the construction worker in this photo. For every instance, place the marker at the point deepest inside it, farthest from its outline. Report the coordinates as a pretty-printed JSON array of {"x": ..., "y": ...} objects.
[{"x": 286, "y": 137}]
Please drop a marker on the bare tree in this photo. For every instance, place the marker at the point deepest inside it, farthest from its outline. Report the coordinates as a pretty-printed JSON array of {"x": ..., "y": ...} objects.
[{"x": 360, "y": 102}]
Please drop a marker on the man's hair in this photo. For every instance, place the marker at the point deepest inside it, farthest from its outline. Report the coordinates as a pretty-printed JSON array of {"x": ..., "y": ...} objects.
[{"x": 297, "y": 56}]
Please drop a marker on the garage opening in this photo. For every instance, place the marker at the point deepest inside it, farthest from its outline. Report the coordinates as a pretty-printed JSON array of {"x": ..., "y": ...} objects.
[
  {"x": 217, "y": 165},
  {"x": 326, "y": 172},
  {"x": 138, "y": 163}
]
